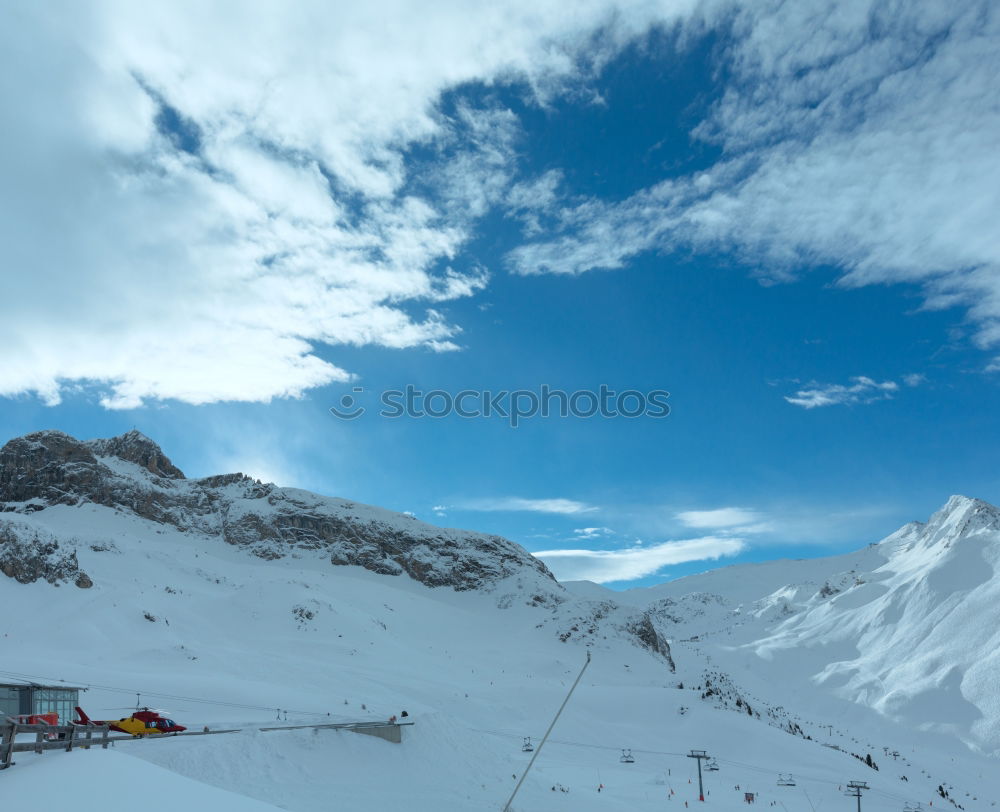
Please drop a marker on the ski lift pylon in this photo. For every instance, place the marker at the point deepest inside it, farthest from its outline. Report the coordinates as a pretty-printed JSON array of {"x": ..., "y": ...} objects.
[
  {"x": 527, "y": 747},
  {"x": 627, "y": 757}
]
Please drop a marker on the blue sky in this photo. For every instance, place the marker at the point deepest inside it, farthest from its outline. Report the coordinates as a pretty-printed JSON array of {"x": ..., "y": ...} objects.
[{"x": 783, "y": 217}]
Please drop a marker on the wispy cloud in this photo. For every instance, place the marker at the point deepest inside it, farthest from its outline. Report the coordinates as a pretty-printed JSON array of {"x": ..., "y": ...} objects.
[
  {"x": 592, "y": 532},
  {"x": 776, "y": 523},
  {"x": 861, "y": 390},
  {"x": 602, "y": 566},
  {"x": 720, "y": 517},
  {"x": 515, "y": 504},
  {"x": 873, "y": 153},
  {"x": 782, "y": 524}
]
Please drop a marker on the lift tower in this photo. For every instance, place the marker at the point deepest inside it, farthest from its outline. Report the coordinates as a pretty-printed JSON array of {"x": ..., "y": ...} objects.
[
  {"x": 700, "y": 755},
  {"x": 855, "y": 788}
]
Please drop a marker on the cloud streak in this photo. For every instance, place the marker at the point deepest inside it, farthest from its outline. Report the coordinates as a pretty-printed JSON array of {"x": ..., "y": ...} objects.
[
  {"x": 719, "y": 517},
  {"x": 603, "y": 566},
  {"x": 565, "y": 507},
  {"x": 861, "y": 390}
]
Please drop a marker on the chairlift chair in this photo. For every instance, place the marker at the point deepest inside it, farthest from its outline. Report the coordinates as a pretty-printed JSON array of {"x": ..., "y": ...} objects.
[
  {"x": 527, "y": 747},
  {"x": 627, "y": 757},
  {"x": 786, "y": 780},
  {"x": 712, "y": 766}
]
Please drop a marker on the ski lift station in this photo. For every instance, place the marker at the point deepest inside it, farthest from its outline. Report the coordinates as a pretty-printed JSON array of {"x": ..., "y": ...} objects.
[{"x": 30, "y": 699}]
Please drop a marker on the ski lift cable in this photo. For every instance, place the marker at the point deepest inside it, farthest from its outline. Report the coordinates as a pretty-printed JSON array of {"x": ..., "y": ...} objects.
[
  {"x": 580, "y": 744},
  {"x": 811, "y": 779},
  {"x": 756, "y": 768}
]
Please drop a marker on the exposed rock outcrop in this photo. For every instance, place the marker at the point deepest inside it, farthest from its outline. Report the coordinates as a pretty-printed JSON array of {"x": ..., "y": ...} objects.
[
  {"x": 643, "y": 629},
  {"x": 137, "y": 448},
  {"x": 51, "y": 468},
  {"x": 28, "y": 556}
]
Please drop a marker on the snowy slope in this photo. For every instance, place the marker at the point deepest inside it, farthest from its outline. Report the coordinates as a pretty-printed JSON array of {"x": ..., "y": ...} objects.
[
  {"x": 474, "y": 678},
  {"x": 907, "y": 626},
  {"x": 113, "y": 780},
  {"x": 200, "y": 621}
]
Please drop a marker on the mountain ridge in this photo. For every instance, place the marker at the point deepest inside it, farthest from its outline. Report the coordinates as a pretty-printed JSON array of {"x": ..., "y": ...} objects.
[
  {"x": 50, "y": 468},
  {"x": 130, "y": 475}
]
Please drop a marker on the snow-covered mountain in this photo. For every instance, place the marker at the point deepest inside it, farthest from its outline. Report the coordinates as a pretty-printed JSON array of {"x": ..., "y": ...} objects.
[
  {"x": 236, "y": 597},
  {"x": 909, "y": 626}
]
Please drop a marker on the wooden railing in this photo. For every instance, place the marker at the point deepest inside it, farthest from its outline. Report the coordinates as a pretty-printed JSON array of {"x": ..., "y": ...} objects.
[
  {"x": 67, "y": 737},
  {"x": 47, "y": 737}
]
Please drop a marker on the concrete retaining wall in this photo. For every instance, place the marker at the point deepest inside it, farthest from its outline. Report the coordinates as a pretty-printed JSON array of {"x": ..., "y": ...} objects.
[{"x": 391, "y": 733}]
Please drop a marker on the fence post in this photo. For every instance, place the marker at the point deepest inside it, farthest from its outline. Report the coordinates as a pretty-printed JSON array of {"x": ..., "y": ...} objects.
[
  {"x": 39, "y": 740},
  {"x": 69, "y": 738},
  {"x": 104, "y": 737},
  {"x": 9, "y": 731}
]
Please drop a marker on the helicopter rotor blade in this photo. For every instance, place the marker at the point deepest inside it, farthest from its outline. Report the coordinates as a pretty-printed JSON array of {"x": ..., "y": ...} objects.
[{"x": 136, "y": 710}]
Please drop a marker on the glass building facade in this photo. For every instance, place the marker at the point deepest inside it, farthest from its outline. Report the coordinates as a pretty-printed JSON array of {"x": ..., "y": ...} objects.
[
  {"x": 22, "y": 700},
  {"x": 10, "y": 701}
]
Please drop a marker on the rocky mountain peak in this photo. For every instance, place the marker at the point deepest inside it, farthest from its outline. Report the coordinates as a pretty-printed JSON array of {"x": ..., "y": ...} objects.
[
  {"x": 42, "y": 464},
  {"x": 54, "y": 444},
  {"x": 137, "y": 448},
  {"x": 963, "y": 516}
]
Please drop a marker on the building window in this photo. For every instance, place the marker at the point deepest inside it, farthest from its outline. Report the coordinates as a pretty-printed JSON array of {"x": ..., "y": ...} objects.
[{"x": 55, "y": 700}]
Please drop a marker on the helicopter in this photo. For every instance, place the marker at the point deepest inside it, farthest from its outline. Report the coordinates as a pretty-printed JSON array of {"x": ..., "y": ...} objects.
[{"x": 142, "y": 722}]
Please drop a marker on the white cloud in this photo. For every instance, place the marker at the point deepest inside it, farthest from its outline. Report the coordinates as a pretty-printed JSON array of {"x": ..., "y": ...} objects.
[
  {"x": 592, "y": 532},
  {"x": 720, "y": 517},
  {"x": 602, "y": 566},
  {"x": 208, "y": 260},
  {"x": 560, "y": 506},
  {"x": 528, "y": 200},
  {"x": 861, "y": 390},
  {"x": 859, "y": 135}
]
